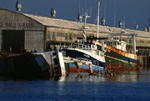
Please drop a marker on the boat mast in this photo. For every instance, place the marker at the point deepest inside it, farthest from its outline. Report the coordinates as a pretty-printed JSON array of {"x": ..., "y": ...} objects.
[
  {"x": 84, "y": 27},
  {"x": 98, "y": 20}
]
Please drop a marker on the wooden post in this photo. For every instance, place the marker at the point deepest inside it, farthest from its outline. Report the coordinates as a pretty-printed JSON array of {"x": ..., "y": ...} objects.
[
  {"x": 91, "y": 69},
  {"x": 78, "y": 71}
]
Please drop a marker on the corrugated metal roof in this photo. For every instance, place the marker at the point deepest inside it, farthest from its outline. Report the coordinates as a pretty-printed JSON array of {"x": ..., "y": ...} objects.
[
  {"x": 56, "y": 22},
  {"x": 63, "y": 23}
]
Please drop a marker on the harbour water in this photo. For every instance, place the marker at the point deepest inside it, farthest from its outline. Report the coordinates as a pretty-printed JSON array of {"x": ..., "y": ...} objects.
[{"x": 125, "y": 86}]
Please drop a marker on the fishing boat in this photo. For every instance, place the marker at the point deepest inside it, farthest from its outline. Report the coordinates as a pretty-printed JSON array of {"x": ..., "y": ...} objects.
[
  {"x": 38, "y": 65},
  {"x": 116, "y": 55},
  {"x": 86, "y": 52}
]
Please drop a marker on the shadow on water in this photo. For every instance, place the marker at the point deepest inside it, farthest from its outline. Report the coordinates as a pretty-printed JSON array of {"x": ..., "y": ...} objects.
[{"x": 142, "y": 75}]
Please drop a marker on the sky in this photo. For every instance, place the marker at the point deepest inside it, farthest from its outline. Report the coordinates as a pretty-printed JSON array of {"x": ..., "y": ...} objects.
[{"x": 128, "y": 11}]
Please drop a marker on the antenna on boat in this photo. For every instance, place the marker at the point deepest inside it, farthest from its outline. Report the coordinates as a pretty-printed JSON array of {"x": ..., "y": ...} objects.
[
  {"x": 98, "y": 20},
  {"x": 84, "y": 27}
]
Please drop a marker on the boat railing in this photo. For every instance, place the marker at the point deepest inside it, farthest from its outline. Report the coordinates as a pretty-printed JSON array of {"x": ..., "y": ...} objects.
[
  {"x": 89, "y": 47},
  {"x": 79, "y": 46}
]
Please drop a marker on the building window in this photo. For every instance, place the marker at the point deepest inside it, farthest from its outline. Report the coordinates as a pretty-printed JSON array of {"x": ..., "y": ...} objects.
[
  {"x": 54, "y": 35},
  {"x": 66, "y": 36},
  {"x": 62, "y": 34},
  {"x": 74, "y": 35},
  {"x": 70, "y": 36},
  {"x": 58, "y": 34},
  {"x": 141, "y": 41},
  {"x": 49, "y": 35}
]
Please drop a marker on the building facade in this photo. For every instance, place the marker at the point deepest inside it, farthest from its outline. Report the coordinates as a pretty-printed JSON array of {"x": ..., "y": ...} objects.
[{"x": 23, "y": 32}]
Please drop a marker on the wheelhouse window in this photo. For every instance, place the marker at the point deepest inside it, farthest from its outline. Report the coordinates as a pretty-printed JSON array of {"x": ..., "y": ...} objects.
[
  {"x": 124, "y": 40},
  {"x": 109, "y": 43}
]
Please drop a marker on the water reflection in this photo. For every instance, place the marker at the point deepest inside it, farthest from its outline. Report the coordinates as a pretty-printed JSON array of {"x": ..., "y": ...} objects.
[{"x": 142, "y": 75}]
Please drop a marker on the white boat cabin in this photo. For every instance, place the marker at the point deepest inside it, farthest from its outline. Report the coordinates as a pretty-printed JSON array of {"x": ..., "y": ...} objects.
[
  {"x": 89, "y": 47},
  {"x": 121, "y": 45}
]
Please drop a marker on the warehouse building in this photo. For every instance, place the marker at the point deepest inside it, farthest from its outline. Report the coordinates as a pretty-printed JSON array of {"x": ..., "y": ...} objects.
[{"x": 23, "y": 32}]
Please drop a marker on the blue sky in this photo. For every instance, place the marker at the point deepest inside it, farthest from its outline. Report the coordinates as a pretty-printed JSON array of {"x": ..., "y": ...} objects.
[{"x": 129, "y": 11}]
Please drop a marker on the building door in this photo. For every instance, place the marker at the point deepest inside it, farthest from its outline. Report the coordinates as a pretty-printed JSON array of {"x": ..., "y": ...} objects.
[{"x": 13, "y": 41}]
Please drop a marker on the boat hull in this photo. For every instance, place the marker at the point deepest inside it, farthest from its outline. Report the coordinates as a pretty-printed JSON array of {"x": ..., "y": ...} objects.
[{"x": 83, "y": 68}]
